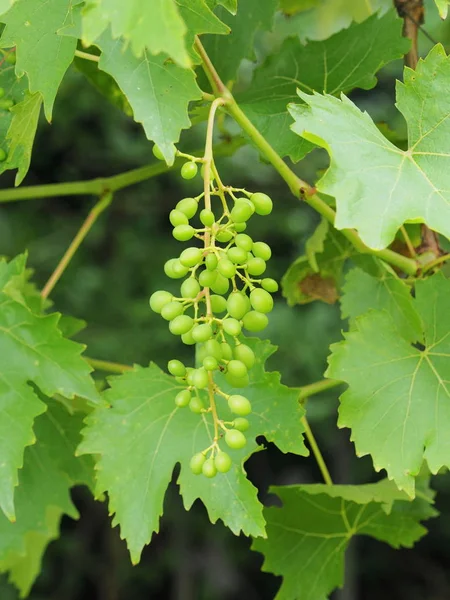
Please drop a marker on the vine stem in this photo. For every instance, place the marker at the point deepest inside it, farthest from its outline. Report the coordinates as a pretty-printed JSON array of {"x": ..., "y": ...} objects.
[
  {"x": 106, "y": 365},
  {"x": 409, "y": 244},
  {"x": 87, "y": 56},
  {"x": 435, "y": 263},
  {"x": 298, "y": 187},
  {"x": 93, "y": 215},
  {"x": 317, "y": 387},
  {"x": 317, "y": 453}
]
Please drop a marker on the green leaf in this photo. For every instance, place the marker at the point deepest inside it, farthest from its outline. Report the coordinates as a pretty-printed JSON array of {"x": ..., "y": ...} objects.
[
  {"x": 5, "y": 5},
  {"x": 397, "y": 404},
  {"x": 307, "y": 537},
  {"x": 143, "y": 436},
  {"x": 292, "y": 7},
  {"x": 32, "y": 350},
  {"x": 362, "y": 293},
  {"x": 317, "y": 274},
  {"x": 230, "y": 5},
  {"x": 149, "y": 27},
  {"x": 442, "y": 7},
  {"x": 42, "y": 54},
  {"x": 158, "y": 91},
  {"x": 345, "y": 61},
  {"x": 414, "y": 183}
]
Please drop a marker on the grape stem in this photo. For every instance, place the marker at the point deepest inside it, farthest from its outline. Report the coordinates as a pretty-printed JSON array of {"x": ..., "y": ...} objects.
[{"x": 317, "y": 453}]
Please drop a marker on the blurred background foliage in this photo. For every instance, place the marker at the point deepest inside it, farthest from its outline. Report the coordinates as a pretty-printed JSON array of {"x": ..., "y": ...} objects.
[{"x": 108, "y": 284}]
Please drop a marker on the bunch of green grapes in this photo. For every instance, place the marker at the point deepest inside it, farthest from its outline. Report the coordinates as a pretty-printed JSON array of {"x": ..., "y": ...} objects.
[{"x": 222, "y": 294}]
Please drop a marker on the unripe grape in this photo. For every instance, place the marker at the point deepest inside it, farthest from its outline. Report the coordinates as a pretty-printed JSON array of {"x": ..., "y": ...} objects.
[
  {"x": 245, "y": 354},
  {"x": 239, "y": 227},
  {"x": 218, "y": 304},
  {"x": 224, "y": 236},
  {"x": 171, "y": 310},
  {"x": 232, "y": 327},
  {"x": 190, "y": 375},
  {"x": 226, "y": 268},
  {"x": 207, "y": 217},
  {"x": 213, "y": 348},
  {"x": 239, "y": 405},
  {"x": 11, "y": 58},
  {"x": 176, "y": 368},
  {"x": 221, "y": 284},
  {"x": 237, "y": 382},
  {"x": 187, "y": 339},
  {"x": 174, "y": 269},
  {"x": 181, "y": 324},
  {"x": 207, "y": 278},
  {"x": 183, "y": 398},
  {"x": 209, "y": 468},
  {"x": 261, "y": 300},
  {"x": 190, "y": 288},
  {"x": 244, "y": 241},
  {"x": 176, "y": 217},
  {"x": 211, "y": 262},
  {"x": 238, "y": 305},
  {"x": 197, "y": 462},
  {"x": 157, "y": 152},
  {"x": 242, "y": 211},
  {"x": 255, "y": 321},
  {"x": 202, "y": 333},
  {"x": 6, "y": 103},
  {"x": 196, "y": 405},
  {"x": 3, "y": 155},
  {"x": 236, "y": 368},
  {"x": 262, "y": 250},
  {"x": 191, "y": 257},
  {"x": 262, "y": 202},
  {"x": 237, "y": 255},
  {"x": 255, "y": 266},
  {"x": 200, "y": 378},
  {"x": 189, "y": 170},
  {"x": 159, "y": 299},
  {"x": 235, "y": 439},
  {"x": 188, "y": 206},
  {"x": 210, "y": 363},
  {"x": 183, "y": 233},
  {"x": 202, "y": 172},
  {"x": 227, "y": 353},
  {"x": 222, "y": 462},
  {"x": 270, "y": 285},
  {"x": 241, "y": 424}
]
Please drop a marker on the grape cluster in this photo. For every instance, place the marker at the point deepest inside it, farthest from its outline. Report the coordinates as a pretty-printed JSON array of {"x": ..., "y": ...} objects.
[{"x": 221, "y": 295}]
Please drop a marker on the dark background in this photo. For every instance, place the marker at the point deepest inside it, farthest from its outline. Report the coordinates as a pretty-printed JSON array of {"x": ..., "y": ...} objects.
[{"x": 108, "y": 284}]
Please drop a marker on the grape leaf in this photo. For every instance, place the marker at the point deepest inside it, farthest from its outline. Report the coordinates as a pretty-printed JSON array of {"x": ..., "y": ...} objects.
[
  {"x": 32, "y": 350},
  {"x": 317, "y": 274},
  {"x": 143, "y": 436},
  {"x": 442, "y": 7},
  {"x": 230, "y": 5},
  {"x": 149, "y": 27},
  {"x": 199, "y": 19},
  {"x": 397, "y": 402},
  {"x": 42, "y": 54},
  {"x": 344, "y": 61},
  {"x": 308, "y": 536},
  {"x": 414, "y": 182},
  {"x": 363, "y": 292},
  {"x": 158, "y": 91},
  {"x": 292, "y": 7},
  {"x": 5, "y": 5}
]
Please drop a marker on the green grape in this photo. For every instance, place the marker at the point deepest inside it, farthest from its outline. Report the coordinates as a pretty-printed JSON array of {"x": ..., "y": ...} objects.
[
  {"x": 235, "y": 439},
  {"x": 11, "y": 58},
  {"x": 255, "y": 321},
  {"x": 191, "y": 256},
  {"x": 261, "y": 300},
  {"x": 202, "y": 333},
  {"x": 211, "y": 262},
  {"x": 238, "y": 305},
  {"x": 207, "y": 278},
  {"x": 236, "y": 368},
  {"x": 237, "y": 255},
  {"x": 240, "y": 227},
  {"x": 207, "y": 217},
  {"x": 176, "y": 217},
  {"x": 6, "y": 103},
  {"x": 262, "y": 202},
  {"x": 262, "y": 250},
  {"x": 256, "y": 266},
  {"x": 159, "y": 299},
  {"x": 218, "y": 304},
  {"x": 209, "y": 468},
  {"x": 171, "y": 310},
  {"x": 197, "y": 462},
  {"x": 237, "y": 382},
  {"x": 239, "y": 405},
  {"x": 270, "y": 285},
  {"x": 196, "y": 405},
  {"x": 241, "y": 424},
  {"x": 181, "y": 324},
  {"x": 190, "y": 375},
  {"x": 244, "y": 241},
  {"x": 3, "y": 155},
  {"x": 176, "y": 368},
  {"x": 187, "y": 339},
  {"x": 157, "y": 152},
  {"x": 213, "y": 348},
  {"x": 189, "y": 170},
  {"x": 245, "y": 354},
  {"x": 183, "y": 398},
  {"x": 222, "y": 462},
  {"x": 174, "y": 269},
  {"x": 202, "y": 172},
  {"x": 224, "y": 236},
  {"x": 190, "y": 288},
  {"x": 220, "y": 285},
  {"x": 200, "y": 378},
  {"x": 226, "y": 352},
  {"x": 183, "y": 233},
  {"x": 232, "y": 327},
  {"x": 242, "y": 210},
  {"x": 226, "y": 268},
  {"x": 210, "y": 363},
  {"x": 188, "y": 206}
]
